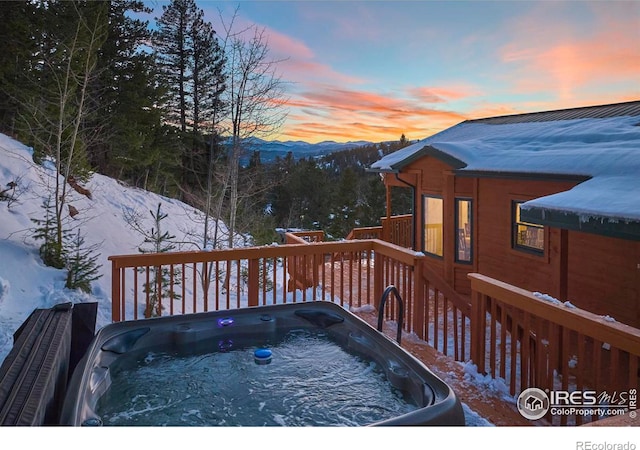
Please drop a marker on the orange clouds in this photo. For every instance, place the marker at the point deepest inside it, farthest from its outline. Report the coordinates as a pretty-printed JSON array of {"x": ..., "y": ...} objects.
[
  {"x": 569, "y": 62},
  {"x": 331, "y": 113},
  {"x": 538, "y": 56},
  {"x": 442, "y": 95}
]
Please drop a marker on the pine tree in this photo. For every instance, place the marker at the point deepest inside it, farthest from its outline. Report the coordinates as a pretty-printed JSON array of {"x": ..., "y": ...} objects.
[
  {"x": 52, "y": 251},
  {"x": 126, "y": 94},
  {"x": 18, "y": 34},
  {"x": 172, "y": 44},
  {"x": 81, "y": 264},
  {"x": 208, "y": 84},
  {"x": 162, "y": 279},
  {"x": 55, "y": 109},
  {"x": 191, "y": 65}
]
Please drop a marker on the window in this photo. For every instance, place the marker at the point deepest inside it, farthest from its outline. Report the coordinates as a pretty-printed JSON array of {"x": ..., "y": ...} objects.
[
  {"x": 463, "y": 230},
  {"x": 433, "y": 216},
  {"x": 526, "y": 236}
]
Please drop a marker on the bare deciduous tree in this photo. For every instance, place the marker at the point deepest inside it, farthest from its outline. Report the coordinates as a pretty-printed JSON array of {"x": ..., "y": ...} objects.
[
  {"x": 254, "y": 97},
  {"x": 55, "y": 114}
]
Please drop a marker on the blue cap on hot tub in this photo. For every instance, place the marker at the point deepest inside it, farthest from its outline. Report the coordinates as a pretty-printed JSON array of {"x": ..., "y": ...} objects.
[{"x": 262, "y": 356}]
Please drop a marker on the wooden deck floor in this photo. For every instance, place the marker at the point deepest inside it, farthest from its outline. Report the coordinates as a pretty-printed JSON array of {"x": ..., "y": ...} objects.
[
  {"x": 487, "y": 403},
  {"x": 484, "y": 402}
]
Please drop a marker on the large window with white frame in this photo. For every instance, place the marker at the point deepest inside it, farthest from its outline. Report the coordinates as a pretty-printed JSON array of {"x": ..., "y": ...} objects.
[
  {"x": 433, "y": 219},
  {"x": 526, "y": 236},
  {"x": 463, "y": 230}
]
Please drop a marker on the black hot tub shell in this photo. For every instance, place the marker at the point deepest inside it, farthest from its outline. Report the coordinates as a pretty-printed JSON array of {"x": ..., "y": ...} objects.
[{"x": 437, "y": 403}]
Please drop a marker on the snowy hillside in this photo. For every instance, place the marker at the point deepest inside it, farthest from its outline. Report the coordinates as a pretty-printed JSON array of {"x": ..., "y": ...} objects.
[{"x": 25, "y": 282}]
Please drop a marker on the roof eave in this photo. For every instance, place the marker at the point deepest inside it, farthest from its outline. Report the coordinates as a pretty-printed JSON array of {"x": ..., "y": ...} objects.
[
  {"x": 427, "y": 150},
  {"x": 519, "y": 175},
  {"x": 381, "y": 170},
  {"x": 627, "y": 229}
]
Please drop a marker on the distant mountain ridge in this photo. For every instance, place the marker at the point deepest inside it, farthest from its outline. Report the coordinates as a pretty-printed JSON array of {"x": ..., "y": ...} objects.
[{"x": 269, "y": 150}]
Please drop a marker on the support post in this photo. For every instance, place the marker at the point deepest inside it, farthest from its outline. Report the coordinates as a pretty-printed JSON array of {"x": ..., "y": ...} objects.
[
  {"x": 254, "y": 284},
  {"x": 115, "y": 292}
]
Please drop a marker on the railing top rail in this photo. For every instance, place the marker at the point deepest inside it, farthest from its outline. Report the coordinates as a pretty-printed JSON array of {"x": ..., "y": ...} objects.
[
  {"x": 155, "y": 259},
  {"x": 400, "y": 253},
  {"x": 619, "y": 335},
  {"x": 365, "y": 229},
  {"x": 398, "y": 217},
  {"x": 317, "y": 233},
  {"x": 291, "y": 236}
]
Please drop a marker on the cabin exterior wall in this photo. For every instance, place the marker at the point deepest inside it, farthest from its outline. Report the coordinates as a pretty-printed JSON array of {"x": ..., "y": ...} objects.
[{"x": 597, "y": 273}]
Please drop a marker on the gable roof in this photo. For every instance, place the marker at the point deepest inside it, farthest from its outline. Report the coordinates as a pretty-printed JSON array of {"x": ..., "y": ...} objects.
[{"x": 598, "y": 145}]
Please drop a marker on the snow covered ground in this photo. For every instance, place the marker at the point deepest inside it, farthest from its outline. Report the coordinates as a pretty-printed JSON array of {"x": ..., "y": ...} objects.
[{"x": 26, "y": 284}]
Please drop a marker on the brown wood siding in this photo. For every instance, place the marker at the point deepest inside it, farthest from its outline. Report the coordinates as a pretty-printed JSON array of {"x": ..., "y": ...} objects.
[
  {"x": 464, "y": 186},
  {"x": 432, "y": 171},
  {"x": 603, "y": 276},
  {"x": 495, "y": 256},
  {"x": 596, "y": 273},
  {"x": 462, "y": 284}
]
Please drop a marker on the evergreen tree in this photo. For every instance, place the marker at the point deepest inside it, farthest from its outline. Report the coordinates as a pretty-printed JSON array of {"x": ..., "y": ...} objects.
[
  {"x": 191, "y": 68},
  {"x": 52, "y": 250},
  {"x": 343, "y": 217},
  {"x": 19, "y": 28},
  {"x": 126, "y": 96},
  {"x": 162, "y": 279},
  {"x": 81, "y": 264},
  {"x": 171, "y": 43},
  {"x": 207, "y": 86},
  {"x": 55, "y": 110}
]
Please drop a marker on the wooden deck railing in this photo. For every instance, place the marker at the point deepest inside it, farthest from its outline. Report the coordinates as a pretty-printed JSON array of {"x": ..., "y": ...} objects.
[
  {"x": 353, "y": 273},
  {"x": 509, "y": 333},
  {"x": 398, "y": 230},
  {"x": 447, "y": 317},
  {"x": 365, "y": 233},
  {"x": 530, "y": 341},
  {"x": 301, "y": 237}
]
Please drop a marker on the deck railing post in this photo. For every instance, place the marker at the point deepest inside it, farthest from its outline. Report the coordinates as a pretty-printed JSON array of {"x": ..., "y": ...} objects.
[
  {"x": 377, "y": 278},
  {"x": 115, "y": 292},
  {"x": 386, "y": 233},
  {"x": 477, "y": 330},
  {"x": 419, "y": 298},
  {"x": 253, "y": 288}
]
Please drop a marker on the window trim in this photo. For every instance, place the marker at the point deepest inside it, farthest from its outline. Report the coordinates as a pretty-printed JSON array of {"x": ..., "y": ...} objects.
[
  {"x": 457, "y": 227},
  {"x": 514, "y": 232},
  {"x": 424, "y": 224}
]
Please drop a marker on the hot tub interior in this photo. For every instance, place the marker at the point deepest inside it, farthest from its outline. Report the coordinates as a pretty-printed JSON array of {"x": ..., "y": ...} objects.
[{"x": 311, "y": 364}]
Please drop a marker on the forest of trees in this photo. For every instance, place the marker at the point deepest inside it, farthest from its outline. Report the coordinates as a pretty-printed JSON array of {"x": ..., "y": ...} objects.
[{"x": 167, "y": 106}]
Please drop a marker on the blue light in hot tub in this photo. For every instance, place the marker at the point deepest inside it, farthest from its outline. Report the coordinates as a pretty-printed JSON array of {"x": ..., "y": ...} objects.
[
  {"x": 225, "y": 321},
  {"x": 225, "y": 345}
]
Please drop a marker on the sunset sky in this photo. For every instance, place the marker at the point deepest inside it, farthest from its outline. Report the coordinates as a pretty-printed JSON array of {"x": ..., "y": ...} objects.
[{"x": 374, "y": 70}]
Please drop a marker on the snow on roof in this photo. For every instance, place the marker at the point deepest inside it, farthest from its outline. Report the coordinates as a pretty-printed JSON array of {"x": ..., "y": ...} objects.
[{"x": 603, "y": 150}]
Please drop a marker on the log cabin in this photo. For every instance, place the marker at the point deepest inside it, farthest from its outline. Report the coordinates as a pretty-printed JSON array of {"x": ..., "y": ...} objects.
[{"x": 548, "y": 201}]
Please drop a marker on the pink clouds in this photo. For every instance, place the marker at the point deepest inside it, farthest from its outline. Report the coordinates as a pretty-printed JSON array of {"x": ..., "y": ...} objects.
[
  {"x": 570, "y": 62},
  {"x": 442, "y": 94},
  {"x": 344, "y": 114},
  {"x": 375, "y": 72}
]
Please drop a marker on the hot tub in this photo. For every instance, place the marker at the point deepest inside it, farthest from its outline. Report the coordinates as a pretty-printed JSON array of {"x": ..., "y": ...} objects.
[{"x": 305, "y": 364}]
